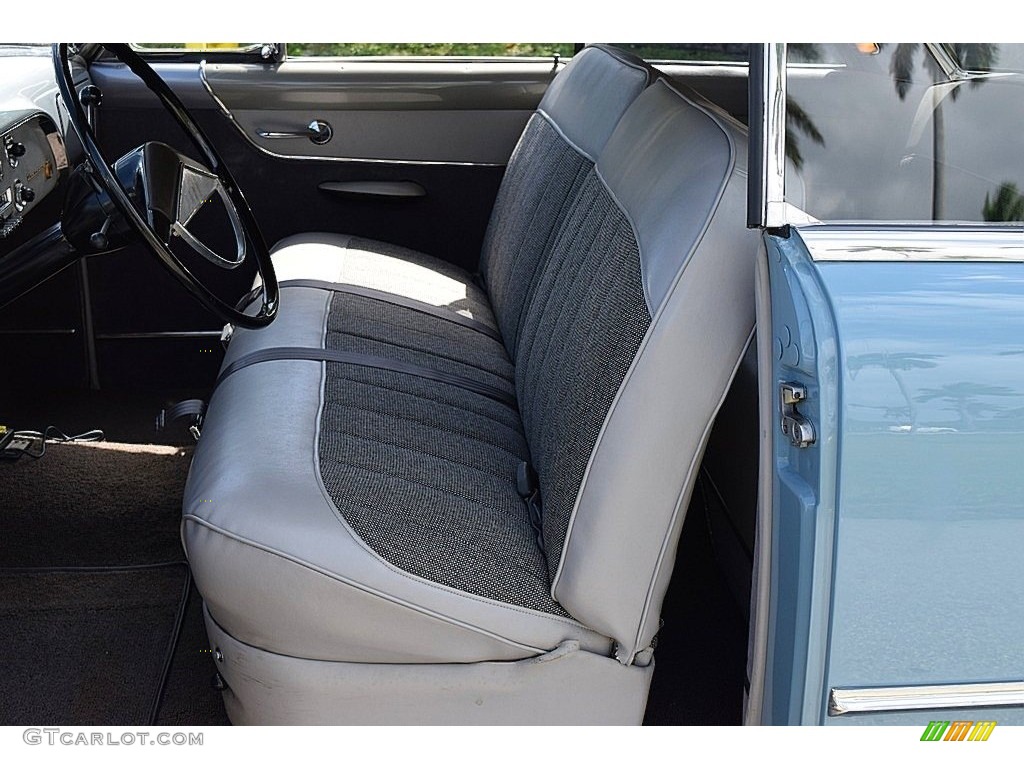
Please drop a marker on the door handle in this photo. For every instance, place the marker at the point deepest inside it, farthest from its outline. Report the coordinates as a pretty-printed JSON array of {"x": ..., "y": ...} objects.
[
  {"x": 391, "y": 190},
  {"x": 318, "y": 132}
]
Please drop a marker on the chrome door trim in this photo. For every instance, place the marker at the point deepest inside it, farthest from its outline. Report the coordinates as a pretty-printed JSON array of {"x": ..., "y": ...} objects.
[
  {"x": 844, "y": 701},
  {"x": 881, "y": 242},
  {"x": 328, "y": 159}
]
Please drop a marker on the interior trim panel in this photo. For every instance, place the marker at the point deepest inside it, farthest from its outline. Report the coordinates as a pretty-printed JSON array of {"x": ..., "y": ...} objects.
[{"x": 391, "y": 112}]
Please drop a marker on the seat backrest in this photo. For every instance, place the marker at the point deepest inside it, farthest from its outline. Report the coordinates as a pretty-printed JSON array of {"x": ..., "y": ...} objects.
[
  {"x": 640, "y": 316},
  {"x": 559, "y": 146}
]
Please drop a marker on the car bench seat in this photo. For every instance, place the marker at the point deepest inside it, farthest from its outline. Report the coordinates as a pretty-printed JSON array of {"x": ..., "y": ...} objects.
[{"x": 438, "y": 520}]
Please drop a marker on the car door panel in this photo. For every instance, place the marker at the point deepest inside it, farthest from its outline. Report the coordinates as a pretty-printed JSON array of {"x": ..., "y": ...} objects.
[
  {"x": 903, "y": 512},
  {"x": 424, "y": 112},
  {"x": 928, "y": 534},
  {"x": 452, "y": 137}
]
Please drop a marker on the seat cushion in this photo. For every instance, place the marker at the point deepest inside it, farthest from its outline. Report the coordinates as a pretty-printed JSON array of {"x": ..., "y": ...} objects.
[
  {"x": 423, "y": 473},
  {"x": 376, "y": 325},
  {"x": 382, "y": 266},
  {"x": 365, "y": 499}
]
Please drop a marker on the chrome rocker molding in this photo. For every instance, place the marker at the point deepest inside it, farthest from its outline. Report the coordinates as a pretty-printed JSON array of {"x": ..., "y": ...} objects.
[
  {"x": 324, "y": 158},
  {"x": 913, "y": 243},
  {"x": 845, "y": 701}
]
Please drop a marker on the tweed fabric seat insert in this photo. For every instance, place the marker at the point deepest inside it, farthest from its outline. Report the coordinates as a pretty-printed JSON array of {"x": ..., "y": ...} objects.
[
  {"x": 424, "y": 473},
  {"x": 579, "y": 337}
]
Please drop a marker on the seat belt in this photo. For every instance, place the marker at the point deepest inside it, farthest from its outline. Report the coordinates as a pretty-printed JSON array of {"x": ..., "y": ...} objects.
[
  {"x": 528, "y": 487},
  {"x": 194, "y": 409},
  {"x": 415, "y": 305},
  {"x": 367, "y": 361}
]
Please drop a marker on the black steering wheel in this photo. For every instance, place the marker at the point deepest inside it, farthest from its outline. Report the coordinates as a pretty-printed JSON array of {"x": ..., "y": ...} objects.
[{"x": 157, "y": 190}]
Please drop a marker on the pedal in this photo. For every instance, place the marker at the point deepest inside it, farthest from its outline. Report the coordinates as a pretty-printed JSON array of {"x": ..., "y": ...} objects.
[{"x": 13, "y": 446}]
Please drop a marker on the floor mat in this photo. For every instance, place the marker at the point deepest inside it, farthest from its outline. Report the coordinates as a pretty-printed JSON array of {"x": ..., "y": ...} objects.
[
  {"x": 85, "y": 648},
  {"x": 93, "y": 504}
]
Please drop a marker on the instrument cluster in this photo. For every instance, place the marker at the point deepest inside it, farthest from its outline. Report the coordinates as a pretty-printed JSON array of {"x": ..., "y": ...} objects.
[{"x": 32, "y": 161}]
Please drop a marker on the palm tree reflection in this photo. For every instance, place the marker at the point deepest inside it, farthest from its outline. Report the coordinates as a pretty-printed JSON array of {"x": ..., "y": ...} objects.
[
  {"x": 972, "y": 57},
  {"x": 896, "y": 364},
  {"x": 797, "y": 119},
  {"x": 964, "y": 398},
  {"x": 1008, "y": 204}
]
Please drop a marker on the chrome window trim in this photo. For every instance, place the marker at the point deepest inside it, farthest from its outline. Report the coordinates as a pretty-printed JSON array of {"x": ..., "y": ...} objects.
[
  {"x": 766, "y": 206},
  {"x": 949, "y": 65},
  {"x": 910, "y": 242},
  {"x": 844, "y": 701},
  {"x": 325, "y": 158}
]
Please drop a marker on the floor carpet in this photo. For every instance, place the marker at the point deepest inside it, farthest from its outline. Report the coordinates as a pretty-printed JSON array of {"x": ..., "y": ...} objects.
[
  {"x": 92, "y": 573},
  {"x": 189, "y": 698},
  {"x": 83, "y": 648},
  {"x": 93, "y": 504}
]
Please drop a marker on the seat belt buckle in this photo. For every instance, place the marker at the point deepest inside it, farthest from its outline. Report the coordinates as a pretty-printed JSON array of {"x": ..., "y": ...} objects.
[
  {"x": 527, "y": 483},
  {"x": 528, "y": 487},
  {"x": 194, "y": 409}
]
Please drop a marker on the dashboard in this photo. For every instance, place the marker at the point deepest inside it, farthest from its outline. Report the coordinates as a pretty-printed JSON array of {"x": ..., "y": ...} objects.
[
  {"x": 32, "y": 162},
  {"x": 35, "y": 166}
]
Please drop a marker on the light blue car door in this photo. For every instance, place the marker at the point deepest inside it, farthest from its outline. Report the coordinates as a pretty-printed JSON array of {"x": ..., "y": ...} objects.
[
  {"x": 889, "y": 583},
  {"x": 897, "y": 502}
]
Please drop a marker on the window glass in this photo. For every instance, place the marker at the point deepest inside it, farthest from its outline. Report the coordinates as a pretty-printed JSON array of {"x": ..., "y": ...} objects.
[
  {"x": 879, "y": 132},
  {"x": 987, "y": 57},
  {"x": 197, "y": 47},
  {"x": 430, "y": 49},
  {"x": 696, "y": 52}
]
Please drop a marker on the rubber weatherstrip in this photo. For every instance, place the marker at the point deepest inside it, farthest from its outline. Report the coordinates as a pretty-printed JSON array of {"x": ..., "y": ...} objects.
[
  {"x": 422, "y": 307},
  {"x": 367, "y": 361}
]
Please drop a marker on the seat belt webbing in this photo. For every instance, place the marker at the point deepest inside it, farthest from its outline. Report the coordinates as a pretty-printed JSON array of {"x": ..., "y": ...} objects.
[{"x": 367, "y": 361}]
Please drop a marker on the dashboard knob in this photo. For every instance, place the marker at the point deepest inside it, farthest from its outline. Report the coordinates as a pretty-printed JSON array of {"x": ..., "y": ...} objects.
[
  {"x": 15, "y": 149},
  {"x": 27, "y": 194}
]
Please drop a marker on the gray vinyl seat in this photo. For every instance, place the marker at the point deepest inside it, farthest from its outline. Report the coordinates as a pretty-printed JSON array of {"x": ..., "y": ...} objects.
[{"x": 356, "y": 529}]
